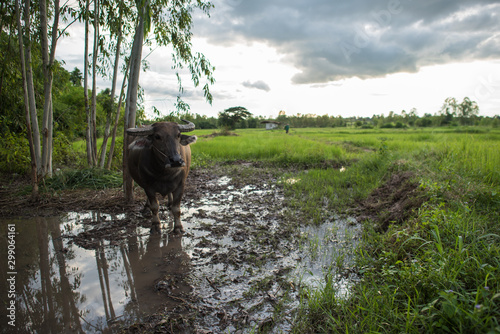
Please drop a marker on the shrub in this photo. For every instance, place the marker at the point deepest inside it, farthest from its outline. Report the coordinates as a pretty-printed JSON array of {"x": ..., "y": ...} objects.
[
  {"x": 14, "y": 153},
  {"x": 387, "y": 126},
  {"x": 63, "y": 153},
  {"x": 400, "y": 125}
]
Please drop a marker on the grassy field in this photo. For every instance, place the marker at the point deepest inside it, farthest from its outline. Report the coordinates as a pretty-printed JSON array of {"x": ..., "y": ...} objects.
[{"x": 438, "y": 272}]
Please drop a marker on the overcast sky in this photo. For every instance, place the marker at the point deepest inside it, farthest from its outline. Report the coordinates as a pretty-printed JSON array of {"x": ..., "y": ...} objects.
[{"x": 349, "y": 58}]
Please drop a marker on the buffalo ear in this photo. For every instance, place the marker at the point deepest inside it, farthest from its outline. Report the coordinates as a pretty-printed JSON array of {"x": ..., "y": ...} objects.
[{"x": 186, "y": 140}]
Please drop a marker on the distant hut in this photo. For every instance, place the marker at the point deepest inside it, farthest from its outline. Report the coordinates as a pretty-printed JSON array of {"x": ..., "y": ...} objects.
[{"x": 270, "y": 124}]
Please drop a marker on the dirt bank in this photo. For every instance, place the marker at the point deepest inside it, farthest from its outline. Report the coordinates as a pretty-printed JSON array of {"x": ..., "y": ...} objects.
[{"x": 393, "y": 202}]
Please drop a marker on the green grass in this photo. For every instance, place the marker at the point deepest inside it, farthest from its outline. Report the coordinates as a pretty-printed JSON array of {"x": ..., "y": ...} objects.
[
  {"x": 93, "y": 178},
  {"x": 268, "y": 146}
]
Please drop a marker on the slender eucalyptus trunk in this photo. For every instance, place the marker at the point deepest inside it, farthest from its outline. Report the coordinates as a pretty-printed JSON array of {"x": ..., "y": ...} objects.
[
  {"x": 31, "y": 93},
  {"x": 112, "y": 99},
  {"x": 131, "y": 102},
  {"x": 47, "y": 85},
  {"x": 29, "y": 134},
  {"x": 88, "y": 137},
  {"x": 93, "y": 114},
  {"x": 117, "y": 118},
  {"x": 48, "y": 57}
]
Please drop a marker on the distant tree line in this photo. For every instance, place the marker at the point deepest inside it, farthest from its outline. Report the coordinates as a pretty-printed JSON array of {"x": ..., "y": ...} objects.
[{"x": 451, "y": 113}]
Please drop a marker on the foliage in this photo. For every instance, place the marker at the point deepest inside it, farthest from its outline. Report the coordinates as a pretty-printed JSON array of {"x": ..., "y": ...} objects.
[
  {"x": 117, "y": 162},
  {"x": 79, "y": 147},
  {"x": 14, "y": 153},
  {"x": 465, "y": 111},
  {"x": 200, "y": 121},
  {"x": 69, "y": 112},
  {"x": 231, "y": 116},
  {"x": 451, "y": 114},
  {"x": 64, "y": 155},
  {"x": 76, "y": 77}
]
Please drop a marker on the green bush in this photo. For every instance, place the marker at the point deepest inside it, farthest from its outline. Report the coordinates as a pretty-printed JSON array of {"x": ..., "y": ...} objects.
[
  {"x": 14, "y": 153},
  {"x": 63, "y": 153},
  {"x": 387, "y": 126}
]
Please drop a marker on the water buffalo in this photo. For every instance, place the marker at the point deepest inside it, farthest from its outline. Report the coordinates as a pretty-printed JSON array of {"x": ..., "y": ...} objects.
[{"x": 159, "y": 162}]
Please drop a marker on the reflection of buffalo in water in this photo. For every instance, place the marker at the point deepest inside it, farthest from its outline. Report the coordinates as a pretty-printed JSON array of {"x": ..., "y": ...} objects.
[
  {"x": 161, "y": 266},
  {"x": 159, "y": 162}
]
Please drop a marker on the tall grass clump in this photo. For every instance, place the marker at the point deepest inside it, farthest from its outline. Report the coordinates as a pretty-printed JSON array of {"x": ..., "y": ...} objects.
[
  {"x": 475, "y": 157},
  {"x": 92, "y": 178}
]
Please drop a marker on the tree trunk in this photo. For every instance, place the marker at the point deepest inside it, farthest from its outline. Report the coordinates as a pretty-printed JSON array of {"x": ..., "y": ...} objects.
[
  {"x": 48, "y": 61},
  {"x": 88, "y": 130},
  {"x": 46, "y": 85},
  {"x": 131, "y": 101},
  {"x": 31, "y": 93},
  {"x": 117, "y": 118},
  {"x": 112, "y": 100},
  {"x": 94, "y": 83},
  {"x": 34, "y": 179}
]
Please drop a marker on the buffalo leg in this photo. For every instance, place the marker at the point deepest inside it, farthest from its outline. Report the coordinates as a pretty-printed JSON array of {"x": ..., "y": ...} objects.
[
  {"x": 154, "y": 206},
  {"x": 175, "y": 208},
  {"x": 169, "y": 200},
  {"x": 146, "y": 210}
]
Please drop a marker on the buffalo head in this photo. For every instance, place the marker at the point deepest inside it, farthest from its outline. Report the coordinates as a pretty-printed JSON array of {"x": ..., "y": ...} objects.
[{"x": 166, "y": 139}]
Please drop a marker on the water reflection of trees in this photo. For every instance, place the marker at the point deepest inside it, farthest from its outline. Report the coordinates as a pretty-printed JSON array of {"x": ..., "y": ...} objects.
[
  {"x": 51, "y": 306},
  {"x": 50, "y": 300}
]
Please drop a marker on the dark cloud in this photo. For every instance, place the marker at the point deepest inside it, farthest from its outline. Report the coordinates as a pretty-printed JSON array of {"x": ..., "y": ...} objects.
[
  {"x": 331, "y": 40},
  {"x": 257, "y": 85}
]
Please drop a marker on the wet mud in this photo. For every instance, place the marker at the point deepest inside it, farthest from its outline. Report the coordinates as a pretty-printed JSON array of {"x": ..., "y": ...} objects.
[{"x": 91, "y": 263}]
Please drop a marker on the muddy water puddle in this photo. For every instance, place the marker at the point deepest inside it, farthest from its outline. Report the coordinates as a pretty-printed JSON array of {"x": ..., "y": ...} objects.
[{"x": 239, "y": 266}]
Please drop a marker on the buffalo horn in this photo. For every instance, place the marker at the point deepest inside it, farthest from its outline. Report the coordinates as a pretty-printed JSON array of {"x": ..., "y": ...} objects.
[
  {"x": 144, "y": 131},
  {"x": 186, "y": 127}
]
